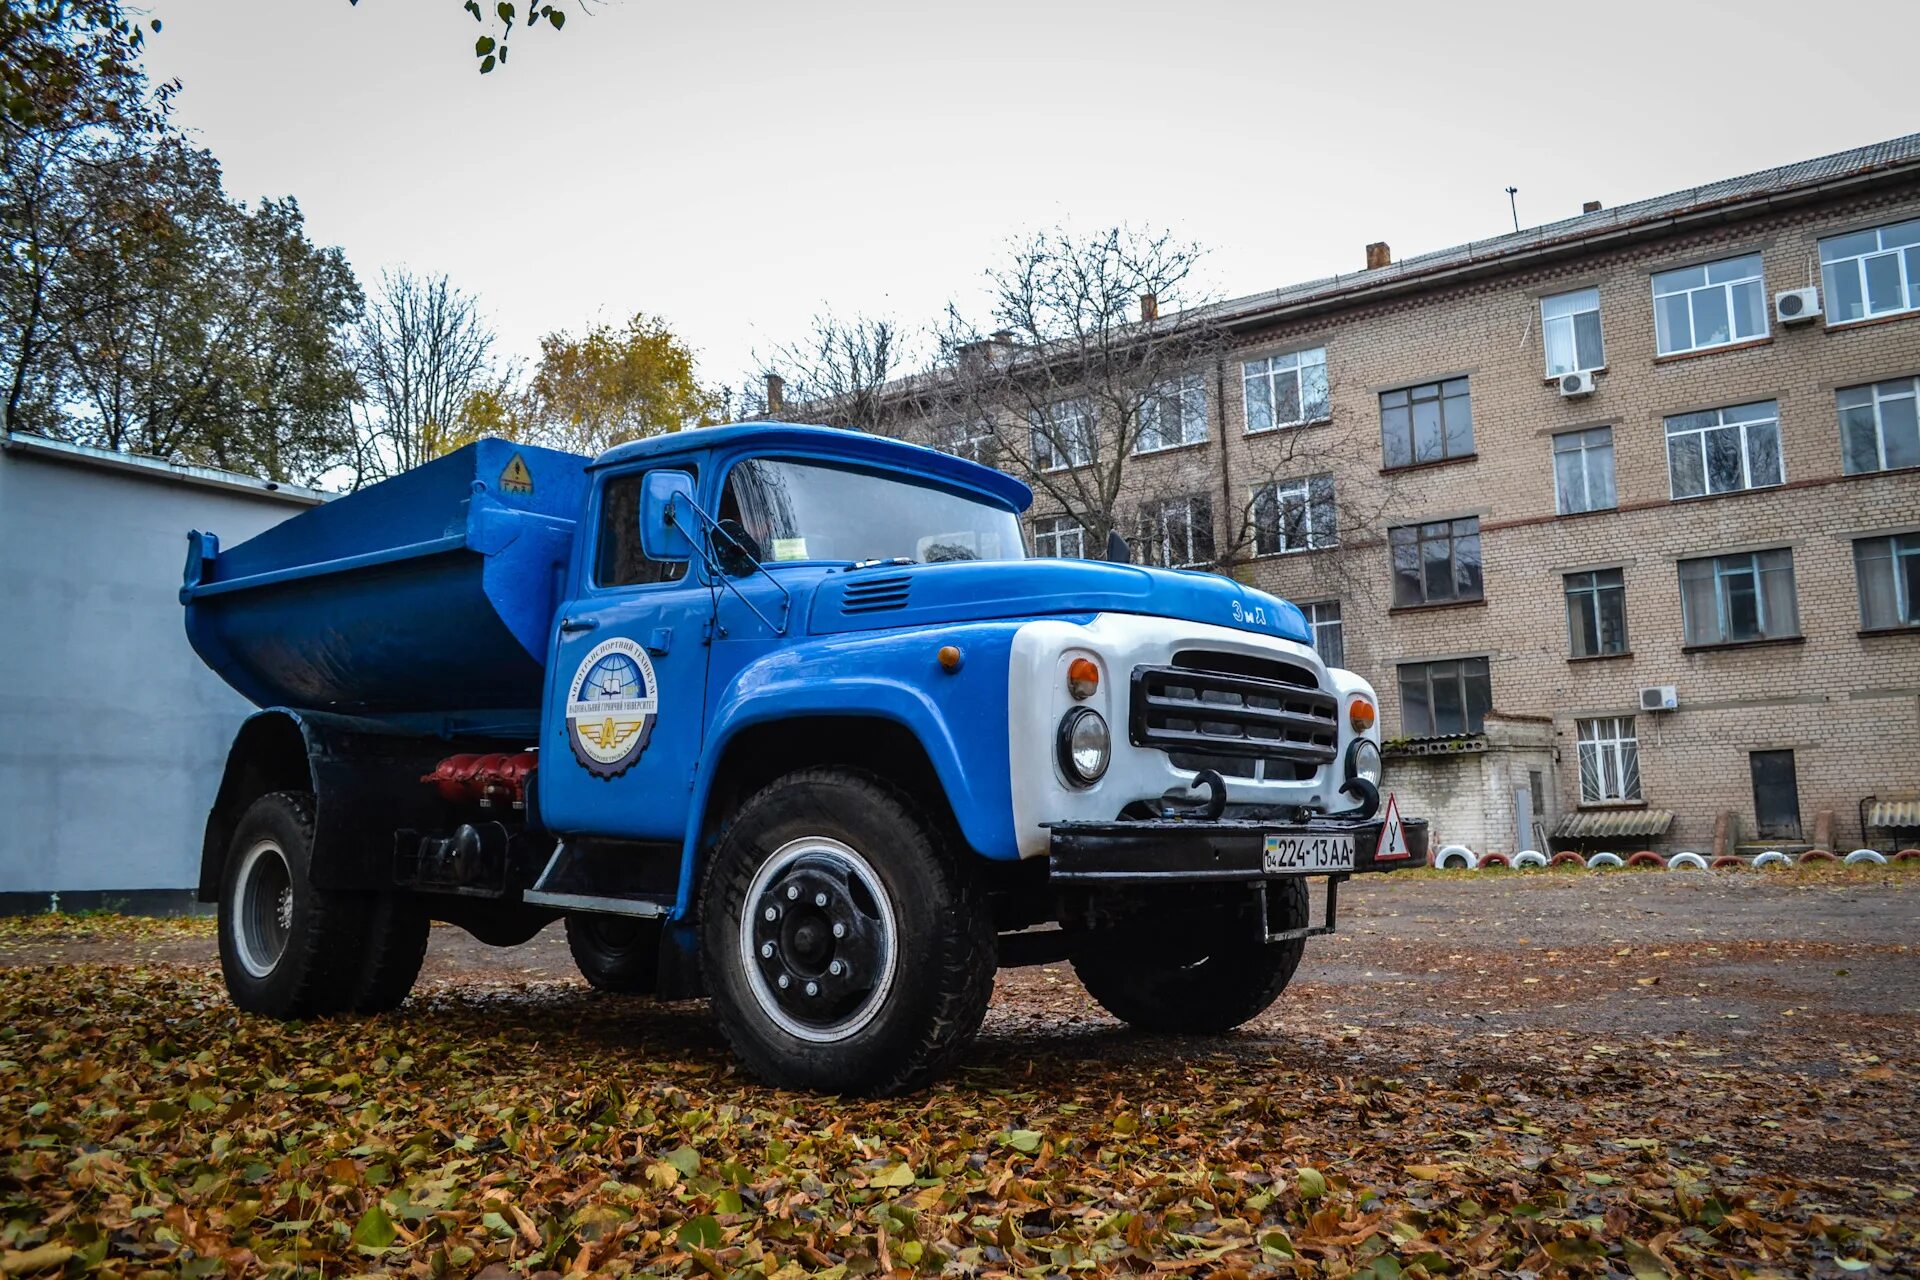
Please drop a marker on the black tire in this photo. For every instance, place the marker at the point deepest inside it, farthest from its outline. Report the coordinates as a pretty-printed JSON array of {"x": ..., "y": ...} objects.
[
  {"x": 917, "y": 946},
  {"x": 1200, "y": 968},
  {"x": 616, "y": 954},
  {"x": 287, "y": 949},
  {"x": 396, "y": 944}
]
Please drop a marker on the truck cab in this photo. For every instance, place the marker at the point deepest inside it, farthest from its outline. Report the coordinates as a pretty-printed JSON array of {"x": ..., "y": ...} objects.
[{"x": 785, "y": 715}]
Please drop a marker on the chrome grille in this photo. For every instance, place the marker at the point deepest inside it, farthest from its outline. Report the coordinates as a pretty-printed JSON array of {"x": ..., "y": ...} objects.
[{"x": 1197, "y": 712}]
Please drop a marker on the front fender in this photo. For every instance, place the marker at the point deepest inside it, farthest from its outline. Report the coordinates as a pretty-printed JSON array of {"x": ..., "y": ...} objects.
[{"x": 958, "y": 717}]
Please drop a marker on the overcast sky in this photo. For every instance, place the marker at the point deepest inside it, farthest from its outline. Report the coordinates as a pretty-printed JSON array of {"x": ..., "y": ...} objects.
[{"x": 733, "y": 167}]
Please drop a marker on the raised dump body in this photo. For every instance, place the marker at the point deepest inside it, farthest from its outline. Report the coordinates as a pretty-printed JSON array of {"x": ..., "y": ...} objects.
[{"x": 422, "y": 602}]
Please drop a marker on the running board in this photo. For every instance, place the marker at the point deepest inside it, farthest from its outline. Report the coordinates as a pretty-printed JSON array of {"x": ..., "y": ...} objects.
[{"x": 620, "y": 880}]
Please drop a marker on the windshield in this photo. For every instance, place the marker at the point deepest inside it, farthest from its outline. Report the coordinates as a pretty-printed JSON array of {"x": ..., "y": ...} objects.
[{"x": 811, "y": 511}]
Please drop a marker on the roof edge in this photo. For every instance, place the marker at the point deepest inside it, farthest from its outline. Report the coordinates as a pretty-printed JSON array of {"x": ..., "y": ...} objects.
[{"x": 161, "y": 469}]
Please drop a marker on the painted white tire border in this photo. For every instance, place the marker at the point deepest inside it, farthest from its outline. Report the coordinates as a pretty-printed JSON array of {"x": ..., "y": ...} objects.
[
  {"x": 1772, "y": 858},
  {"x": 1529, "y": 859},
  {"x": 1689, "y": 861},
  {"x": 1870, "y": 856},
  {"x": 1456, "y": 855},
  {"x": 1600, "y": 861}
]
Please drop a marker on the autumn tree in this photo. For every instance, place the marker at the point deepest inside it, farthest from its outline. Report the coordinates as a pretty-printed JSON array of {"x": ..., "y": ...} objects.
[
  {"x": 422, "y": 352},
  {"x": 608, "y": 385},
  {"x": 498, "y": 22}
]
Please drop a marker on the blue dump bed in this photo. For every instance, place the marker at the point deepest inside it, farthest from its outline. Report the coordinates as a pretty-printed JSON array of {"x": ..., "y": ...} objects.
[{"x": 422, "y": 602}]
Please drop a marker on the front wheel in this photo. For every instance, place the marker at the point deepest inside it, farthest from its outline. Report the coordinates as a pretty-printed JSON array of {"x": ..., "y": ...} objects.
[
  {"x": 844, "y": 946},
  {"x": 1196, "y": 968}
]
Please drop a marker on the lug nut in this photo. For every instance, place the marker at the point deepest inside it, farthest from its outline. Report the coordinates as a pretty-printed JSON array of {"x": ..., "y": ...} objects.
[
  {"x": 773, "y": 913},
  {"x": 793, "y": 891},
  {"x": 836, "y": 968},
  {"x": 813, "y": 988},
  {"x": 839, "y": 930},
  {"x": 819, "y": 899},
  {"x": 785, "y": 982},
  {"x": 766, "y": 951}
]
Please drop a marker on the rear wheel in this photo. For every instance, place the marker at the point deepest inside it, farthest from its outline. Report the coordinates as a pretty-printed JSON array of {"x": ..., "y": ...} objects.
[
  {"x": 287, "y": 949},
  {"x": 1196, "y": 968},
  {"x": 396, "y": 946},
  {"x": 618, "y": 954},
  {"x": 844, "y": 946}
]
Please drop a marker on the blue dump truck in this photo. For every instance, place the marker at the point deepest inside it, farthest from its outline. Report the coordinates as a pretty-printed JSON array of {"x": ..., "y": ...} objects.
[{"x": 780, "y": 715}]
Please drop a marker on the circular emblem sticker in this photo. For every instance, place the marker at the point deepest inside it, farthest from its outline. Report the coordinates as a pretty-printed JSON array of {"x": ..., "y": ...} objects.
[{"x": 611, "y": 707}]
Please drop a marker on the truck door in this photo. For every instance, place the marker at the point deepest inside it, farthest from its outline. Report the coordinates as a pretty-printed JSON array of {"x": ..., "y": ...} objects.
[{"x": 626, "y": 686}]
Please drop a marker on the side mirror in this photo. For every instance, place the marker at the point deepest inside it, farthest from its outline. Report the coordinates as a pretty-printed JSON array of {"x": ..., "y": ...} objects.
[{"x": 663, "y": 508}]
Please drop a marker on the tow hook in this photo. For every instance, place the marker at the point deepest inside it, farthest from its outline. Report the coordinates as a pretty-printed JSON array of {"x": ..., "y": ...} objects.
[{"x": 1175, "y": 805}]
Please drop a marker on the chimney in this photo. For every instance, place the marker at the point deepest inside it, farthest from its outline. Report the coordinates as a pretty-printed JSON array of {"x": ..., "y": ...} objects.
[
  {"x": 1003, "y": 336},
  {"x": 1591, "y": 206},
  {"x": 776, "y": 395},
  {"x": 1378, "y": 255},
  {"x": 1149, "y": 308}
]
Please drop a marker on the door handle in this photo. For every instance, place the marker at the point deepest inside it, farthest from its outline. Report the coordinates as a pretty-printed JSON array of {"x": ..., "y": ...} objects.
[
  {"x": 568, "y": 626},
  {"x": 658, "y": 642}
]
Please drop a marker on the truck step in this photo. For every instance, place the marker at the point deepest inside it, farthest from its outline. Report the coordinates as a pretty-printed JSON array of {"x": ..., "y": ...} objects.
[{"x": 612, "y": 878}]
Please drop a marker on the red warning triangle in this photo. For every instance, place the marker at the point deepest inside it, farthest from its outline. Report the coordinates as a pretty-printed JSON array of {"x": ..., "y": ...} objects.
[{"x": 1393, "y": 836}]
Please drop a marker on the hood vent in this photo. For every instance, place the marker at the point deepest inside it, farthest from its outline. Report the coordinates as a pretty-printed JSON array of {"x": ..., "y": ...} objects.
[{"x": 874, "y": 595}]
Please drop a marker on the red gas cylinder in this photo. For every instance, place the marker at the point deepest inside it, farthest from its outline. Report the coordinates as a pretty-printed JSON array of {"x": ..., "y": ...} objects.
[{"x": 487, "y": 779}]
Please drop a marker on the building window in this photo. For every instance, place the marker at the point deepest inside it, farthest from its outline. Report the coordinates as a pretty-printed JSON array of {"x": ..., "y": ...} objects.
[
  {"x": 1738, "y": 598},
  {"x": 1323, "y": 622},
  {"x": 1286, "y": 391},
  {"x": 1697, "y": 308},
  {"x": 1436, "y": 563},
  {"x": 1583, "y": 470},
  {"x": 1879, "y": 429},
  {"x": 1060, "y": 538},
  {"x": 1173, "y": 413},
  {"x": 1609, "y": 761},
  {"x": 1177, "y": 532},
  {"x": 1062, "y": 435},
  {"x": 1872, "y": 273},
  {"x": 1724, "y": 450},
  {"x": 1597, "y": 612},
  {"x": 1426, "y": 423},
  {"x": 1294, "y": 515},
  {"x": 972, "y": 440},
  {"x": 1570, "y": 326},
  {"x": 1888, "y": 570},
  {"x": 1440, "y": 698}
]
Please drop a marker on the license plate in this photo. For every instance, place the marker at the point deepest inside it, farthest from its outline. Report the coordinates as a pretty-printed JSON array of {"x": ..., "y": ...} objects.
[{"x": 1307, "y": 853}]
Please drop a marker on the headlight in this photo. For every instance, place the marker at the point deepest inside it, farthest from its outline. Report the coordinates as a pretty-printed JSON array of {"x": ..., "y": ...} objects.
[
  {"x": 1363, "y": 760},
  {"x": 1084, "y": 745}
]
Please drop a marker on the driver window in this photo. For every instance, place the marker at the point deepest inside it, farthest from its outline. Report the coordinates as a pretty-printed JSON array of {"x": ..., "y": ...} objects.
[{"x": 619, "y": 561}]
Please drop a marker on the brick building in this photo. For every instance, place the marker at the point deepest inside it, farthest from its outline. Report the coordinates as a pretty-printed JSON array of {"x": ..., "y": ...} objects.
[{"x": 1591, "y": 467}]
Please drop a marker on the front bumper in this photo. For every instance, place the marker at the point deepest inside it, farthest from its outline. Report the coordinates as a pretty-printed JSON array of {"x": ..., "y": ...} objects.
[{"x": 1186, "y": 851}]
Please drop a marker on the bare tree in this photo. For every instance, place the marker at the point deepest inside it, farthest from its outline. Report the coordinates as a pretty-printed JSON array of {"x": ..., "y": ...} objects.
[
  {"x": 422, "y": 352},
  {"x": 1098, "y": 344},
  {"x": 837, "y": 374}
]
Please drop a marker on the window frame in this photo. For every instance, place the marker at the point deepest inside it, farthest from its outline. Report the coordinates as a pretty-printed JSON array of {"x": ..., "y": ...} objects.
[
  {"x": 1571, "y": 319},
  {"x": 1042, "y": 442},
  {"x": 1419, "y": 538},
  {"x": 1725, "y": 287},
  {"x": 1184, "y": 390},
  {"x": 1726, "y": 569},
  {"x": 1742, "y": 428},
  {"x": 1058, "y": 528},
  {"x": 1318, "y": 621},
  {"x": 1590, "y": 595},
  {"x": 1319, "y": 508},
  {"x": 1197, "y": 510},
  {"x": 1266, "y": 369},
  {"x": 977, "y": 440},
  {"x": 1466, "y": 669},
  {"x": 1875, "y": 400},
  {"x": 1441, "y": 397},
  {"x": 1906, "y": 256},
  {"x": 1584, "y": 448},
  {"x": 1900, "y": 548},
  {"x": 1612, "y": 743},
  {"x": 602, "y": 508}
]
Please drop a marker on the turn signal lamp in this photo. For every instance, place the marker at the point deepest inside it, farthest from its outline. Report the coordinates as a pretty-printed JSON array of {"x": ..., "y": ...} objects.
[
  {"x": 1083, "y": 678},
  {"x": 1360, "y": 715},
  {"x": 949, "y": 657}
]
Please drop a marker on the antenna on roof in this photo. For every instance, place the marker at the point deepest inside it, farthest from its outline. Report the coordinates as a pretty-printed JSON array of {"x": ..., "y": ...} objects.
[{"x": 1514, "y": 206}]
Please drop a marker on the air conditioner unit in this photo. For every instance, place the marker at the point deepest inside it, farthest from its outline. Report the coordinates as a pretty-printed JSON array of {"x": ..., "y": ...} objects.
[
  {"x": 1574, "y": 385},
  {"x": 1796, "y": 306},
  {"x": 1659, "y": 697}
]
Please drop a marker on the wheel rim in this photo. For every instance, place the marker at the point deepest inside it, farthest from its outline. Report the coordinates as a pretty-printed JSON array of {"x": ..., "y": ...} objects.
[
  {"x": 818, "y": 944},
  {"x": 263, "y": 916}
]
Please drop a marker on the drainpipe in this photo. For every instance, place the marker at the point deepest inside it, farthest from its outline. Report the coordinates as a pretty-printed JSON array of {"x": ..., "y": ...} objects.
[{"x": 1226, "y": 477}]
